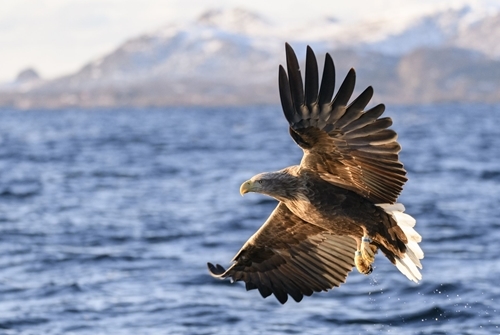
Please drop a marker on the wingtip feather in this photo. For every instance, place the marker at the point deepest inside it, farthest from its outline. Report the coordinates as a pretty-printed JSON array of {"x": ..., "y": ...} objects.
[
  {"x": 294, "y": 77},
  {"x": 327, "y": 81},
  {"x": 216, "y": 270},
  {"x": 311, "y": 88}
]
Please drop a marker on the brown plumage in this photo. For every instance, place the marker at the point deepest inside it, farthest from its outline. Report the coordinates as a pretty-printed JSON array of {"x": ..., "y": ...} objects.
[{"x": 337, "y": 208}]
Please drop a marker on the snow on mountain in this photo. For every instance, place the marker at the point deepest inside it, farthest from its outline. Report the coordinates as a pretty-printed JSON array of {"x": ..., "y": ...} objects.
[
  {"x": 429, "y": 31},
  {"x": 218, "y": 44},
  {"x": 236, "y": 20},
  {"x": 243, "y": 41},
  {"x": 222, "y": 43},
  {"x": 448, "y": 28},
  {"x": 482, "y": 35},
  {"x": 231, "y": 56}
]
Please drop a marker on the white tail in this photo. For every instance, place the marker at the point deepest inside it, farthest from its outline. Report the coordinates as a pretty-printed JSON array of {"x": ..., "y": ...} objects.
[{"x": 411, "y": 260}]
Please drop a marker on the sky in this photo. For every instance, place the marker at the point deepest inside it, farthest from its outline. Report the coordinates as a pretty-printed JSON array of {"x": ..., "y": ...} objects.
[{"x": 57, "y": 37}]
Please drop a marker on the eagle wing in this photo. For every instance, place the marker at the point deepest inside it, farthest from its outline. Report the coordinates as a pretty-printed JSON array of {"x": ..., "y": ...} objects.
[
  {"x": 344, "y": 144},
  {"x": 288, "y": 256}
]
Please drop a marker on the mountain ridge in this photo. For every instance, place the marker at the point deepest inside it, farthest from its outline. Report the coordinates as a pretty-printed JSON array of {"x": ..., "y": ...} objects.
[{"x": 231, "y": 57}]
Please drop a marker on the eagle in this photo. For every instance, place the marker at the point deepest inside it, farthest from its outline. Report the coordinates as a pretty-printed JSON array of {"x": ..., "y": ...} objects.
[{"x": 337, "y": 208}]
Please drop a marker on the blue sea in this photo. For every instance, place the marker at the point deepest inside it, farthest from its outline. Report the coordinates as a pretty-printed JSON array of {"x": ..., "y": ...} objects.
[{"x": 108, "y": 218}]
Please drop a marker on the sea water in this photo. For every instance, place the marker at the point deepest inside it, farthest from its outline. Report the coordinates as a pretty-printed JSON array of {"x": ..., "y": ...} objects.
[{"x": 108, "y": 217}]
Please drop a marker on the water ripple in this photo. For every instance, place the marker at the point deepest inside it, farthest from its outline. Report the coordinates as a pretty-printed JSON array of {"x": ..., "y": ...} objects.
[{"x": 107, "y": 229}]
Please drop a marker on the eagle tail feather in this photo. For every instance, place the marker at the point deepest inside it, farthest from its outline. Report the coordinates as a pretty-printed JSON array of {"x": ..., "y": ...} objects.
[{"x": 410, "y": 262}]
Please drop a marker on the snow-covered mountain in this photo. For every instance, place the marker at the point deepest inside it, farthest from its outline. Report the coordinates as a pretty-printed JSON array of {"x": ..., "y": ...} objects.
[
  {"x": 231, "y": 57},
  {"x": 468, "y": 28}
]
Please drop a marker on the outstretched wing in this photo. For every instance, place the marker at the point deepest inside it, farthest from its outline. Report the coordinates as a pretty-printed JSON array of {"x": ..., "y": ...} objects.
[
  {"x": 344, "y": 144},
  {"x": 288, "y": 256}
]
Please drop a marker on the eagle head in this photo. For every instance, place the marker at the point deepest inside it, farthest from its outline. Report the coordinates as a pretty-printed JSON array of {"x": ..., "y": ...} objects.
[{"x": 279, "y": 185}]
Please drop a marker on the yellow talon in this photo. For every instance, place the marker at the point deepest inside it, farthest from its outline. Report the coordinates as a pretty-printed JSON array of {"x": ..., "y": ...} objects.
[
  {"x": 365, "y": 256},
  {"x": 362, "y": 265},
  {"x": 367, "y": 250}
]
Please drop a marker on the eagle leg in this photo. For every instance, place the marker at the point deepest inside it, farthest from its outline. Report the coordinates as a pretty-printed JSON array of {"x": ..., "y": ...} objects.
[
  {"x": 365, "y": 255},
  {"x": 366, "y": 249},
  {"x": 361, "y": 264}
]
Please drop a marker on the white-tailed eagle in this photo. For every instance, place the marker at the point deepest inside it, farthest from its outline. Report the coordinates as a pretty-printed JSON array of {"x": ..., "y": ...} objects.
[{"x": 338, "y": 207}]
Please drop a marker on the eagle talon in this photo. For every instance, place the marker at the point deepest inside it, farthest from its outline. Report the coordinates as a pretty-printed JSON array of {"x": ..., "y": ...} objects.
[
  {"x": 367, "y": 251},
  {"x": 362, "y": 264}
]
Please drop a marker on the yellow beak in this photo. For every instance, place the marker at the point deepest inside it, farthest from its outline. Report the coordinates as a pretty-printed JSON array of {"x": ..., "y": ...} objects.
[{"x": 246, "y": 187}]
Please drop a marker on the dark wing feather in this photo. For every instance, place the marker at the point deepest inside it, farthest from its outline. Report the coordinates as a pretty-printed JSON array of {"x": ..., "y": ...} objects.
[
  {"x": 288, "y": 256},
  {"x": 327, "y": 86},
  {"x": 344, "y": 144},
  {"x": 311, "y": 88}
]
